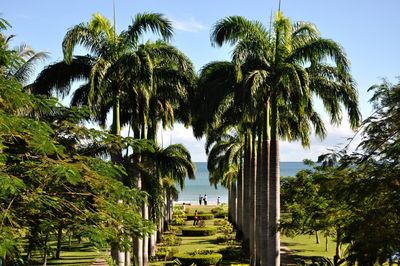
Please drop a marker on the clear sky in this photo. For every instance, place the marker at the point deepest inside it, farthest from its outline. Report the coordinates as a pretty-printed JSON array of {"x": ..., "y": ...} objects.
[{"x": 369, "y": 31}]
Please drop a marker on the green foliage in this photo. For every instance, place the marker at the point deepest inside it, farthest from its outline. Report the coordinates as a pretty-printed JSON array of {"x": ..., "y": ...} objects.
[
  {"x": 314, "y": 261},
  {"x": 178, "y": 221},
  {"x": 202, "y": 231},
  {"x": 231, "y": 253},
  {"x": 225, "y": 239},
  {"x": 203, "y": 216},
  {"x": 165, "y": 253},
  {"x": 199, "y": 259},
  {"x": 48, "y": 184},
  {"x": 171, "y": 240}
]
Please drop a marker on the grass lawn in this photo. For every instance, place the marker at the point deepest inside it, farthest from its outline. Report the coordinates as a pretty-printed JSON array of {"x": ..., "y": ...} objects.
[
  {"x": 78, "y": 254},
  {"x": 305, "y": 245},
  {"x": 200, "y": 243},
  {"x": 203, "y": 209}
]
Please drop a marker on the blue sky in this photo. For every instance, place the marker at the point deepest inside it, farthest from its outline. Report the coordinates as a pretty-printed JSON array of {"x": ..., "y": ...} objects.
[{"x": 368, "y": 31}]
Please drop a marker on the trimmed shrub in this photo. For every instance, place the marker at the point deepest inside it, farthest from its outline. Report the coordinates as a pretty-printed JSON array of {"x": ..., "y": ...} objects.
[
  {"x": 165, "y": 253},
  {"x": 199, "y": 259},
  {"x": 220, "y": 222},
  {"x": 221, "y": 214},
  {"x": 203, "y": 216},
  {"x": 217, "y": 210},
  {"x": 224, "y": 238},
  {"x": 178, "y": 221},
  {"x": 201, "y": 231},
  {"x": 171, "y": 240},
  {"x": 231, "y": 253}
]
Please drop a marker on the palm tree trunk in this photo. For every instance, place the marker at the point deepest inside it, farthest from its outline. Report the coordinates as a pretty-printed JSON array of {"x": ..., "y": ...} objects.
[
  {"x": 240, "y": 202},
  {"x": 274, "y": 196},
  {"x": 252, "y": 209},
  {"x": 152, "y": 246},
  {"x": 146, "y": 237},
  {"x": 138, "y": 242},
  {"x": 234, "y": 204},
  {"x": 116, "y": 156},
  {"x": 246, "y": 195},
  {"x": 127, "y": 258},
  {"x": 258, "y": 203},
  {"x": 263, "y": 226}
]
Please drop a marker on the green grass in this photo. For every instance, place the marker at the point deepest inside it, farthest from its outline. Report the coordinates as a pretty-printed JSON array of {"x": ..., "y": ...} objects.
[
  {"x": 305, "y": 245},
  {"x": 78, "y": 254}
]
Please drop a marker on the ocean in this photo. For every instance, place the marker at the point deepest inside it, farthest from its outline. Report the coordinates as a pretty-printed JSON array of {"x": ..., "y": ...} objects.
[{"x": 201, "y": 185}]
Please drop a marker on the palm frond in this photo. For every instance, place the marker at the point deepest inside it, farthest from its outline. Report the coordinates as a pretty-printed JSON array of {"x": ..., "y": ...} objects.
[
  {"x": 59, "y": 77},
  {"x": 154, "y": 22}
]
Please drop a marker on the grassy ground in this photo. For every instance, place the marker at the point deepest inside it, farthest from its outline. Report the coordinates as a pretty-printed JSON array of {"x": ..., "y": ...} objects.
[
  {"x": 305, "y": 245},
  {"x": 78, "y": 254},
  {"x": 200, "y": 243}
]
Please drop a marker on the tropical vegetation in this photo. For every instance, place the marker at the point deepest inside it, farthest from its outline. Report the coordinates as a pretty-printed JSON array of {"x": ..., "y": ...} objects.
[{"x": 61, "y": 178}]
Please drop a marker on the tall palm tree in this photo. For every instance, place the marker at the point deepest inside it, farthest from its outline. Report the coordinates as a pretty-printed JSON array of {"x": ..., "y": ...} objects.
[
  {"x": 292, "y": 66},
  {"x": 117, "y": 66}
]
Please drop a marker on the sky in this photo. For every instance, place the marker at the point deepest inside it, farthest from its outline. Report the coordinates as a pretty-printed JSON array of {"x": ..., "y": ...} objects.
[{"x": 368, "y": 30}]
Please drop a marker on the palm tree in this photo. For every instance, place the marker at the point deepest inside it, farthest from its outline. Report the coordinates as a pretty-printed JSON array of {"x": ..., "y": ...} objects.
[
  {"x": 291, "y": 66},
  {"x": 117, "y": 66},
  {"x": 22, "y": 59},
  {"x": 157, "y": 164},
  {"x": 223, "y": 163}
]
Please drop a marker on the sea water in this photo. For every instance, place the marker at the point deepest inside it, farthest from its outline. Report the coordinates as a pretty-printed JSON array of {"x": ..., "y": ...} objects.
[{"x": 201, "y": 185}]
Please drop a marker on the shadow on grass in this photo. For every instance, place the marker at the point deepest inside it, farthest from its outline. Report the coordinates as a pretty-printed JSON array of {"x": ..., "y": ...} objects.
[{"x": 293, "y": 244}]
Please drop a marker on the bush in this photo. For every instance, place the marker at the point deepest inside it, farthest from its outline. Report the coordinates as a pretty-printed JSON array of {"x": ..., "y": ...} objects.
[
  {"x": 221, "y": 214},
  {"x": 217, "y": 210},
  {"x": 165, "y": 253},
  {"x": 224, "y": 238},
  {"x": 203, "y": 216},
  {"x": 202, "y": 231},
  {"x": 220, "y": 222},
  {"x": 178, "y": 221},
  {"x": 231, "y": 253},
  {"x": 171, "y": 240},
  {"x": 199, "y": 259}
]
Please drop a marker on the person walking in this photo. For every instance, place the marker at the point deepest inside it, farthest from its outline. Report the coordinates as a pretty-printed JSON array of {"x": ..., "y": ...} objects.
[
  {"x": 196, "y": 218},
  {"x": 200, "y": 199},
  {"x": 218, "y": 201},
  {"x": 205, "y": 199}
]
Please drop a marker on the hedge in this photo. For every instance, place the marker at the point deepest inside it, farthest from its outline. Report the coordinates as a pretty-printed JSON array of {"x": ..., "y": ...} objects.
[
  {"x": 203, "y": 216},
  {"x": 201, "y": 231},
  {"x": 221, "y": 214},
  {"x": 199, "y": 259}
]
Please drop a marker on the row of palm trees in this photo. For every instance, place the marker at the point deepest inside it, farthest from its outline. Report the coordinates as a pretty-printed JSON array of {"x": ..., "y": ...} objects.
[
  {"x": 143, "y": 84},
  {"x": 264, "y": 94},
  {"x": 244, "y": 106}
]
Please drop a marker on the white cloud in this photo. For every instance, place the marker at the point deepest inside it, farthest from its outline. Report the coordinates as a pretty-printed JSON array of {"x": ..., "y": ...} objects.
[
  {"x": 184, "y": 136},
  {"x": 337, "y": 137},
  {"x": 188, "y": 25}
]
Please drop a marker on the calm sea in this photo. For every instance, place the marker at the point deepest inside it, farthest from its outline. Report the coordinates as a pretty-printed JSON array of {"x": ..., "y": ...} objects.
[{"x": 202, "y": 186}]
